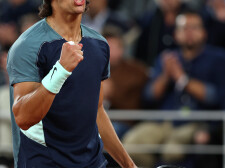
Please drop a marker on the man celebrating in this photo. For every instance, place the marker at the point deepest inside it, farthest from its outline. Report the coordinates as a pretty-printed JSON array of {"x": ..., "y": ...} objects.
[
  {"x": 189, "y": 78},
  {"x": 56, "y": 70}
]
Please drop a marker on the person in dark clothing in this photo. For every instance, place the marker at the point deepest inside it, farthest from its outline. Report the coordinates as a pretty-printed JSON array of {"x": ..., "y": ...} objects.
[
  {"x": 99, "y": 15},
  {"x": 214, "y": 18},
  {"x": 11, "y": 12},
  {"x": 187, "y": 78},
  {"x": 14, "y": 9},
  {"x": 191, "y": 76},
  {"x": 158, "y": 27},
  {"x": 128, "y": 77}
]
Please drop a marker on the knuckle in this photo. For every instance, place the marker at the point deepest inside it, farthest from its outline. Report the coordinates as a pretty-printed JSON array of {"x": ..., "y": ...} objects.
[
  {"x": 65, "y": 44},
  {"x": 78, "y": 47}
]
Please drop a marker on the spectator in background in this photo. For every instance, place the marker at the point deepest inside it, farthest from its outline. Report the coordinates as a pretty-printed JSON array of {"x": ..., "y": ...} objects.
[
  {"x": 191, "y": 77},
  {"x": 8, "y": 34},
  {"x": 193, "y": 73},
  {"x": 14, "y": 9},
  {"x": 3, "y": 60},
  {"x": 128, "y": 77},
  {"x": 158, "y": 27},
  {"x": 99, "y": 15},
  {"x": 27, "y": 21},
  {"x": 10, "y": 15},
  {"x": 136, "y": 8},
  {"x": 214, "y": 18},
  {"x": 218, "y": 7},
  {"x": 4, "y": 75}
]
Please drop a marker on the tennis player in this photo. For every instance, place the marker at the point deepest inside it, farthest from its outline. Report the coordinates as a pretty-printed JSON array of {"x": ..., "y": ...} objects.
[{"x": 56, "y": 70}]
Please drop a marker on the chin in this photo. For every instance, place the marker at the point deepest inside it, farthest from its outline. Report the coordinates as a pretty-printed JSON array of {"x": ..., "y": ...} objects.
[
  {"x": 191, "y": 46},
  {"x": 79, "y": 10},
  {"x": 76, "y": 12}
]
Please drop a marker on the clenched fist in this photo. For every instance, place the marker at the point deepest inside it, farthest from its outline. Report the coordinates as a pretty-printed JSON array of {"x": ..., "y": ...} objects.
[{"x": 71, "y": 55}]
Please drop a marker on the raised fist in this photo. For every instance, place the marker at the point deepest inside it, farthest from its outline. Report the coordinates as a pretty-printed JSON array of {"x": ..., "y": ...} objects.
[{"x": 71, "y": 55}]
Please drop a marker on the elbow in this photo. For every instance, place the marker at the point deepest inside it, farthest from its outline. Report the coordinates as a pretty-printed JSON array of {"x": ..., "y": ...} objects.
[
  {"x": 20, "y": 120},
  {"x": 22, "y": 125}
]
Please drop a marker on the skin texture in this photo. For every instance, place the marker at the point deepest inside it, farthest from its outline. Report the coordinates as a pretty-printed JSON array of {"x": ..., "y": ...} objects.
[{"x": 32, "y": 101}]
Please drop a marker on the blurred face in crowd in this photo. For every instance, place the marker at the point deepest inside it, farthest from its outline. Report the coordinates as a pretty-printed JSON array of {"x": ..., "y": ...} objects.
[
  {"x": 116, "y": 49},
  {"x": 17, "y": 2},
  {"x": 27, "y": 21},
  {"x": 26, "y": 26},
  {"x": 96, "y": 6},
  {"x": 8, "y": 33},
  {"x": 190, "y": 32},
  {"x": 168, "y": 5},
  {"x": 69, "y": 6},
  {"x": 219, "y": 9}
]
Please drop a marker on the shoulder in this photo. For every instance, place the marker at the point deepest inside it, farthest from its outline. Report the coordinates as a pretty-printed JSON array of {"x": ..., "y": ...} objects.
[
  {"x": 215, "y": 53},
  {"x": 25, "y": 49},
  {"x": 214, "y": 58},
  {"x": 214, "y": 49},
  {"x": 96, "y": 39},
  {"x": 30, "y": 38},
  {"x": 90, "y": 33},
  {"x": 29, "y": 42}
]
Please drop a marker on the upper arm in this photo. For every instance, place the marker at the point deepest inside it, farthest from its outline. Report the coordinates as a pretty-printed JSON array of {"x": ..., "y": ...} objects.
[
  {"x": 105, "y": 75},
  {"x": 24, "y": 88},
  {"x": 22, "y": 63},
  {"x": 22, "y": 68},
  {"x": 106, "y": 70}
]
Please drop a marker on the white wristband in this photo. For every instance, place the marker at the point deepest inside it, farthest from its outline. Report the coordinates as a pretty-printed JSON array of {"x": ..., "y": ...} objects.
[
  {"x": 182, "y": 82},
  {"x": 55, "y": 79}
]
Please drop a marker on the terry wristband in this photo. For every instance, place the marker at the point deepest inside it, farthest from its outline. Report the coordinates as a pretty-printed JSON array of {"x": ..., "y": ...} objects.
[{"x": 55, "y": 79}]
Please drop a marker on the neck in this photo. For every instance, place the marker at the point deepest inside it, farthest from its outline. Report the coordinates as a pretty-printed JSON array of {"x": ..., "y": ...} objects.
[
  {"x": 190, "y": 53},
  {"x": 66, "y": 25}
]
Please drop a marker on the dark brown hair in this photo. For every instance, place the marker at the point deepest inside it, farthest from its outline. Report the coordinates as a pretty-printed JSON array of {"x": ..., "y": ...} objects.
[{"x": 46, "y": 8}]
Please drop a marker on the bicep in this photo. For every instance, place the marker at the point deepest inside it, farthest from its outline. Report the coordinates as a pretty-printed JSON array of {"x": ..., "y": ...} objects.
[{"x": 24, "y": 88}]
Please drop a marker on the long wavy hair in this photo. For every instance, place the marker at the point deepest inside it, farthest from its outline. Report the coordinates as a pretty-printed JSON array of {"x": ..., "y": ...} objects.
[{"x": 45, "y": 9}]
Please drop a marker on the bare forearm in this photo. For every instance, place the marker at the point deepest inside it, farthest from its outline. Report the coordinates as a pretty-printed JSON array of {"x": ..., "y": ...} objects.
[
  {"x": 31, "y": 108},
  {"x": 196, "y": 89},
  {"x": 111, "y": 142},
  {"x": 159, "y": 86}
]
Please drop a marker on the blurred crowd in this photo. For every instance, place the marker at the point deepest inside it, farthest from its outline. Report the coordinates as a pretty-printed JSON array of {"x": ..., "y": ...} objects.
[{"x": 164, "y": 55}]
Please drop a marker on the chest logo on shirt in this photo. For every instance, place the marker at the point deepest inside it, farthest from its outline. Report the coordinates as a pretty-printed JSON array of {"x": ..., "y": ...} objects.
[{"x": 55, "y": 69}]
